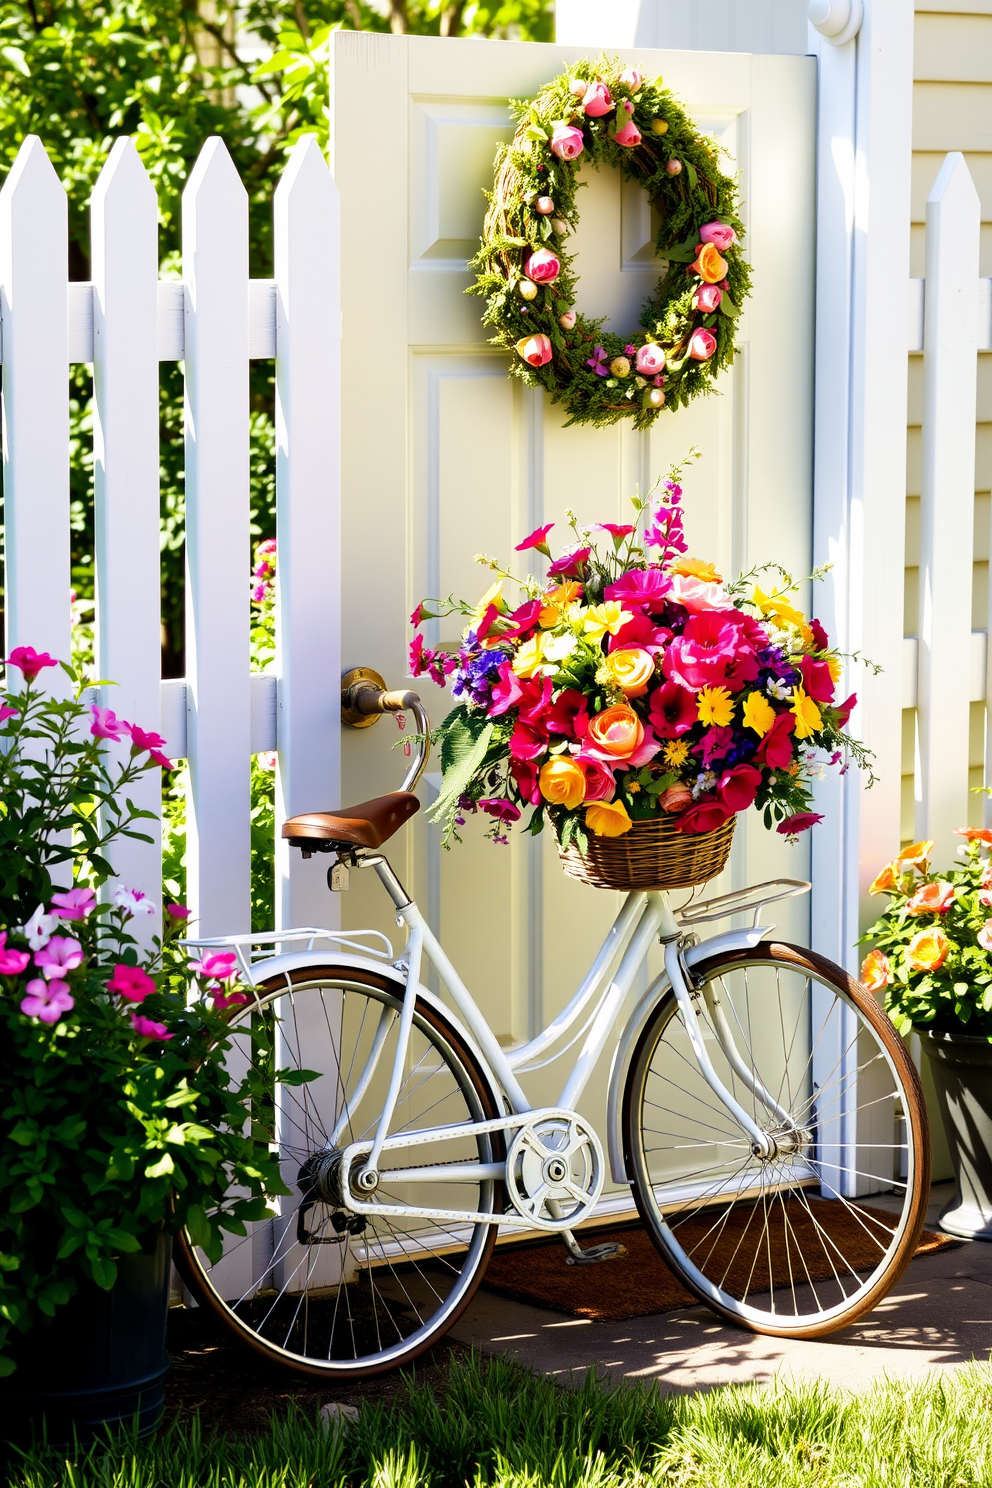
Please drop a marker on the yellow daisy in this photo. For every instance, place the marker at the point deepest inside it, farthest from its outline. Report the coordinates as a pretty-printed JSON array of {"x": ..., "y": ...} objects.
[
  {"x": 676, "y": 753},
  {"x": 715, "y": 705}
]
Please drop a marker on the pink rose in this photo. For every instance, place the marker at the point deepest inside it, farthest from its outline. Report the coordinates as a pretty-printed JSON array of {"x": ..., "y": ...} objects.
[
  {"x": 702, "y": 344},
  {"x": 567, "y": 142},
  {"x": 629, "y": 135},
  {"x": 707, "y": 298},
  {"x": 696, "y": 595},
  {"x": 542, "y": 266},
  {"x": 719, "y": 234},
  {"x": 535, "y": 350},
  {"x": 705, "y": 816},
  {"x": 596, "y": 101},
  {"x": 650, "y": 360},
  {"x": 600, "y": 784},
  {"x": 631, "y": 79}
]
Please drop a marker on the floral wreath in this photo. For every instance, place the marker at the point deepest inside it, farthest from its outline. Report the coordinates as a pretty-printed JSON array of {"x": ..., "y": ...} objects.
[{"x": 610, "y": 115}]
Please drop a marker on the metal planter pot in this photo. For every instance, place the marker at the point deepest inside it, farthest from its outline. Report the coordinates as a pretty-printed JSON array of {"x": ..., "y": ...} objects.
[
  {"x": 962, "y": 1075},
  {"x": 98, "y": 1364}
]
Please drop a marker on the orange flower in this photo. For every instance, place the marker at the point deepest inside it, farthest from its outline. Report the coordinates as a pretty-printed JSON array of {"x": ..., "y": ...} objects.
[
  {"x": 710, "y": 267},
  {"x": 608, "y": 818},
  {"x": 876, "y": 973},
  {"x": 555, "y": 601},
  {"x": 883, "y": 881},
  {"x": 916, "y": 856},
  {"x": 562, "y": 782},
  {"x": 928, "y": 950},
  {"x": 696, "y": 568},
  {"x": 932, "y": 898},
  {"x": 631, "y": 668},
  {"x": 975, "y": 834},
  {"x": 617, "y": 730}
]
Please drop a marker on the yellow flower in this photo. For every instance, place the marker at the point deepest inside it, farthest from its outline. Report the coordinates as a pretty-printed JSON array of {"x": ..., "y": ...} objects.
[
  {"x": 562, "y": 782},
  {"x": 715, "y": 705},
  {"x": 608, "y": 818},
  {"x": 778, "y": 606},
  {"x": 916, "y": 856},
  {"x": 696, "y": 568},
  {"x": 807, "y": 714},
  {"x": 542, "y": 653},
  {"x": 758, "y": 713},
  {"x": 834, "y": 666},
  {"x": 610, "y": 616},
  {"x": 556, "y": 602},
  {"x": 529, "y": 659},
  {"x": 630, "y": 668},
  {"x": 676, "y": 753},
  {"x": 883, "y": 881}
]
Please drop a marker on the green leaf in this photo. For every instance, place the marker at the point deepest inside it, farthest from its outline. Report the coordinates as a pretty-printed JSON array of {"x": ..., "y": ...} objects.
[
  {"x": 465, "y": 751},
  {"x": 691, "y": 172},
  {"x": 727, "y": 306},
  {"x": 296, "y": 1076},
  {"x": 104, "y": 1271}
]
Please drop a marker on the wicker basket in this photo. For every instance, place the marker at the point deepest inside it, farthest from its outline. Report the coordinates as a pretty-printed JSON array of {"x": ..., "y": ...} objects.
[{"x": 652, "y": 855}]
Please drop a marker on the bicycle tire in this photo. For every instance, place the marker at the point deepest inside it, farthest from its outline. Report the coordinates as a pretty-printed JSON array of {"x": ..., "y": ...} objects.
[
  {"x": 779, "y": 1190},
  {"x": 479, "y": 1098}
]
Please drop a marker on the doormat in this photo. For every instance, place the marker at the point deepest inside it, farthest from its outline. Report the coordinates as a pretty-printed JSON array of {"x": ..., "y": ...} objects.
[{"x": 639, "y": 1283}]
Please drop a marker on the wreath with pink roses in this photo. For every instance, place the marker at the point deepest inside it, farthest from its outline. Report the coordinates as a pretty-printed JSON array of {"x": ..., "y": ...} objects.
[{"x": 611, "y": 115}]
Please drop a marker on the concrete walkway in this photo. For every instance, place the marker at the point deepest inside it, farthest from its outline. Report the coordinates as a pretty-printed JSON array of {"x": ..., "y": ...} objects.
[{"x": 938, "y": 1317}]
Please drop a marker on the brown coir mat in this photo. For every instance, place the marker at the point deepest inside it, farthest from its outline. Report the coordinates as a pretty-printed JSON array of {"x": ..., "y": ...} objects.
[{"x": 639, "y": 1283}]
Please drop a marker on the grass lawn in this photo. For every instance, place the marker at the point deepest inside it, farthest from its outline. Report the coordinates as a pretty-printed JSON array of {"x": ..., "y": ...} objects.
[{"x": 490, "y": 1422}]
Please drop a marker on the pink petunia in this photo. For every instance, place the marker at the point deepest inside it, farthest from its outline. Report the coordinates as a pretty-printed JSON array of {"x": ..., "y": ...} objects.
[
  {"x": 499, "y": 807},
  {"x": 527, "y": 742},
  {"x": 76, "y": 904},
  {"x": 12, "y": 962},
  {"x": 131, "y": 983},
  {"x": 716, "y": 649},
  {"x": 177, "y": 911},
  {"x": 524, "y": 618},
  {"x": 538, "y": 539},
  {"x": 617, "y": 530},
  {"x": 641, "y": 631},
  {"x": 644, "y": 587},
  {"x": 508, "y": 691},
  {"x": 525, "y": 776},
  {"x": 775, "y": 749},
  {"x": 149, "y": 1029},
  {"x": 569, "y": 714},
  {"x": 220, "y": 966},
  {"x": 60, "y": 955},
  {"x": 673, "y": 710},
  {"x": 7, "y": 711},
  {"x": 801, "y": 822},
  {"x": 106, "y": 724},
  {"x": 568, "y": 565},
  {"x": 535, "y": 703},
  {"x": 29, "y": 661},
  {"x": 738, "y": 787},
  {"x": 140, "y": 739},
  {"x": 224, "y": 1000},
  {"x": 47, "y": 1000}
]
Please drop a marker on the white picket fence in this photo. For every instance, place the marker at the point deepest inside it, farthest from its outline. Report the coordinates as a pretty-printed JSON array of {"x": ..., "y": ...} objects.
[{"x": 214, "y": 320}]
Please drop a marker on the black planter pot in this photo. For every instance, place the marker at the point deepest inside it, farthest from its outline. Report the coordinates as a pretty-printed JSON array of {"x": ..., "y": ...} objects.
[
  {"x": 99, "y": 1363},
  {"x": 962, "y": 1077}
]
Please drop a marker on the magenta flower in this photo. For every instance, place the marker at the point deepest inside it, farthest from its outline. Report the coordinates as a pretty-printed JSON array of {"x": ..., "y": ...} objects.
[
  {"x": 600, "y": 784},
  {"x": 569, "y": 714},
  {"x": 47, "y": 1000},
  {"x": 142, "y": 740},
  {"x": 158, "y": 758},
  {"x": 260, "y": 593},
  {"x": 106, "y": 724},
  {"x": 525, "y": 777},
  {"x": 716, "y": 649},
  {"x": 641, "y": 631},
  {"x": 74, "y": 905},
  {"x": 646, "y": 587},
  {"x": 177, "y": 911},
  {"x": 630, "y": 349},
  {"x": 224, "y": 1000},
  {"x": 12, "y": 962},
  {"x": 617, "y": 530},
  {"x": 716, "y": 743},
  {"x": 528, "y": 741},
  {"x": 62, "y": 954},
  {"x": 7, "y": 711},
  {"x": 267, "y": 546},
  {"x": 149, "y": 1029},
  {"x": 719, "y": 234},
  {"x": 524, "y": 618},
  {"x": 542, "y": 266},
  {"x": 221, "y": 966},
  {"x": 568, "y": 565},
  {"x": 131, "y": 983},
  {"x": 420, "y": 614},
  {"x": 599, "y": 362},
  {"x": 30, "y": 661},
  {"x": 801, "y": 822},
  {"x": 673, "y": 710},
  {"x": 538, "y": 539},
  {"x": 499, "y": 807}
]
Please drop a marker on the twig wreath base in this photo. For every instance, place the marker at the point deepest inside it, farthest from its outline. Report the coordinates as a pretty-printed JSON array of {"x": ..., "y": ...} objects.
[{"x": 609, "y": 115}]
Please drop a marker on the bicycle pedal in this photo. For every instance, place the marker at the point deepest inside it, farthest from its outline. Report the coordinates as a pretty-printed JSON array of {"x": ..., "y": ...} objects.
[{"x": 611, "y": 1250}]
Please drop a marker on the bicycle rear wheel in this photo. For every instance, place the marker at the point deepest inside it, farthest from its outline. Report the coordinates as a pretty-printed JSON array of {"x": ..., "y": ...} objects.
[
  {"x": 806, "y": 1241},
  {"x": 316, "y": 1287}
]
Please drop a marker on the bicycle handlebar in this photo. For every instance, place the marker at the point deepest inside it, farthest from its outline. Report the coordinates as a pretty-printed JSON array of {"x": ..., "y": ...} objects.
[{"x": 370, "y": 700}]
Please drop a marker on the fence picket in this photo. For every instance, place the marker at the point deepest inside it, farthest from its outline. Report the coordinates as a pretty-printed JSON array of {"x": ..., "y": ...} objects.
[
  {"x": 34, "y": 304},
  {"x": 124, "y": 230},
  {"x": 308, "y": 330},
  {"x": 950, "y": 346},
  {"x": 215, "y": 273}
]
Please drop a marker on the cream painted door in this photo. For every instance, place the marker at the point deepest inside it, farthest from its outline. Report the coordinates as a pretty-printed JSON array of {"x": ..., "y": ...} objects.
[{"x": 445, "y": 457}]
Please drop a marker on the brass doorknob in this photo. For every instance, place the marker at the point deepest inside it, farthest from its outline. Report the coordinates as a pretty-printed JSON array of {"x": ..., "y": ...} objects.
[{"x": 364, "y": 698}]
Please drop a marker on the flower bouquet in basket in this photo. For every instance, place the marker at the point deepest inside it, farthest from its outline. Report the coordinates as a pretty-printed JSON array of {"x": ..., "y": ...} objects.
[{"x": 635, "y": 702}]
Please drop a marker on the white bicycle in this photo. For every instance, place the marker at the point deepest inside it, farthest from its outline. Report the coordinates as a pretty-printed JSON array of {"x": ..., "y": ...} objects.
[{"x": 759, "y": 1100}]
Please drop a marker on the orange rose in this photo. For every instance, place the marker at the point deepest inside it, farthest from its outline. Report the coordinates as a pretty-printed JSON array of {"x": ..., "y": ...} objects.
[
  {"x": 928, "y": 950},
  {"x": 608, "y": 818},
  {"x": 617, "y": 730},
  {"x": 932, "y": 898},
  {"x": 710, "y": 267},
  {"x": 562, "y": 782},
  {"x": 631, "y": 668},
  {"x": 915, "y": 856},
  {"x": 885, "y": 880},
  {"x": 876, "y": 973}
]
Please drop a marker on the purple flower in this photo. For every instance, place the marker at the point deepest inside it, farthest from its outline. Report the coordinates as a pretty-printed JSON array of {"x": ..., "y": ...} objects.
[
  {"x": 630, "y": 349},
  {"x": 499, "y": 807},
  {"x": 715, "y": 744},
  {"x": 599, "y": 362}
]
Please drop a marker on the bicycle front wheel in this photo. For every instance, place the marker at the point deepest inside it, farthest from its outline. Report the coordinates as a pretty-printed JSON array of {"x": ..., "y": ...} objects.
[
  {"x": 315, "y": 1286},
  {"x": 808, "y": 1239}
]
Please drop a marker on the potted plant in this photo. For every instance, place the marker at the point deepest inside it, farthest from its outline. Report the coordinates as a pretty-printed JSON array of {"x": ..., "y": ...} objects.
[
  {"x": 119, "y": 1120},
  {"x": 635, "y": 703},
  {"x": 932, "y": 962}
]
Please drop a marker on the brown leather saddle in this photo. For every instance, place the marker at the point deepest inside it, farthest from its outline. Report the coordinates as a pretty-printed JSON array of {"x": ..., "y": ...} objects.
[{"x": 369, "y": 824}]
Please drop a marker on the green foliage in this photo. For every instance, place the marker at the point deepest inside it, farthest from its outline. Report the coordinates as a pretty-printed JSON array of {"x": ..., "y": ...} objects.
[
  {"x": 956, "y": 995},
  {"x": 494, "y": 1423},
  {"x": 117, "y": 1114},
  {"x": 700, "y": 193}
]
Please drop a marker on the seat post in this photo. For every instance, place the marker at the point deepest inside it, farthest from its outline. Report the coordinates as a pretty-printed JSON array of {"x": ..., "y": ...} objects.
[{"x": 401, "y": 899}]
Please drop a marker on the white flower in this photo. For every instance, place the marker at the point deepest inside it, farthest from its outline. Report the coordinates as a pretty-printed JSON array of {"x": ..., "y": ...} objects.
[
  {"x": 556, "y": 648},
  {"x": 40, "y": 928},
  {"x": 133, "y": 902},
  {"x": 704, "y": 782},
  {"x": 780, "y": 690}
]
